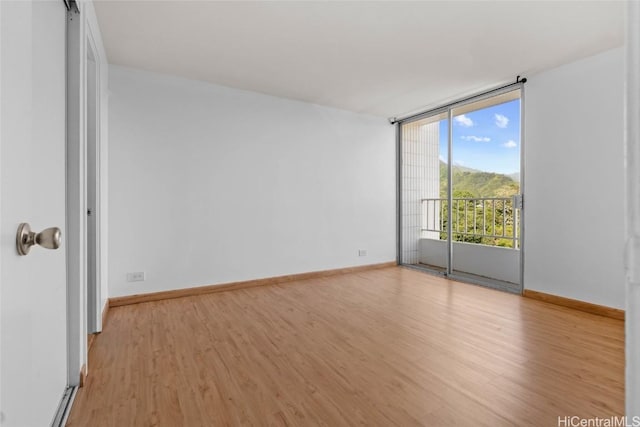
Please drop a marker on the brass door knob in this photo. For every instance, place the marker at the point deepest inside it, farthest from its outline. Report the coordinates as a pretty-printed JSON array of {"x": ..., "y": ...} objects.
[{"x": 51, "y": 238}]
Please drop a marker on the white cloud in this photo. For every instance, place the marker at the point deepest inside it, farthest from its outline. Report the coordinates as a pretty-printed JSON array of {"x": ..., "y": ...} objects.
[
  {"x": 463, "y": 120},
  {"x": 476, "y": 138},
  {"x": 510, "y": 144},
  {"x": 501, "y": 121},
  {"x": 442, "y": 159}
]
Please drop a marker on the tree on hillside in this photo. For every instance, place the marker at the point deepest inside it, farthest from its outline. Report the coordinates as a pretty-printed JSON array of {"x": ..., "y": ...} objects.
[{"x": 471, "y": 216}]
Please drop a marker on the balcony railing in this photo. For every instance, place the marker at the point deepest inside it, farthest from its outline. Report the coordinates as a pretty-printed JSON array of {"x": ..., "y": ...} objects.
[{"x": 484, "y": 220}]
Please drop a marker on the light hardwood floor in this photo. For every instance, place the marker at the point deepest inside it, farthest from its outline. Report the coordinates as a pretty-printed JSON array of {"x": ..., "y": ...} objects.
[{"x": 382, "y": 347}]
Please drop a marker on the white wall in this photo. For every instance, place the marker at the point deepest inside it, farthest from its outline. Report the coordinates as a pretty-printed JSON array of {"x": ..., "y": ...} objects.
[
  {"x": 211, "y": 185},
  {"x": 574, "y": 188}
]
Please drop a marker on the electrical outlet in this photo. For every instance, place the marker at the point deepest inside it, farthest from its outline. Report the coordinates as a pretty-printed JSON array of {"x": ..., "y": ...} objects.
[
  {"x": 138, "y": 276},
  {"x": 362, "y": 252}
]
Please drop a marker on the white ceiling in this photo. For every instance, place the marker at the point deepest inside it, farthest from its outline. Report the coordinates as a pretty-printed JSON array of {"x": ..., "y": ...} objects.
[{"x": 381, "y": 58}]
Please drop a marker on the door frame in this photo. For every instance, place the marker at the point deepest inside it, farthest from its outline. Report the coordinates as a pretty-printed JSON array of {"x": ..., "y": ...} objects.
[
  {"x": 94, "y": 296},
  {"x": 0, "y": 209},
  {"x": 632, "y": 212},
  {"x": 76, "y": 198},
  {"x": 85, "y": 315}
]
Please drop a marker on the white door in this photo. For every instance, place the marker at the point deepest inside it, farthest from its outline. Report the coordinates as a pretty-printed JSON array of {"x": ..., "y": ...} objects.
[{"x": 33, "y": 329}]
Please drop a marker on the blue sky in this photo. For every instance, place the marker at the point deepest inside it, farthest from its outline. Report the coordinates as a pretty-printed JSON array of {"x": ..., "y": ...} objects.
[{"x": 487, "y": 139}]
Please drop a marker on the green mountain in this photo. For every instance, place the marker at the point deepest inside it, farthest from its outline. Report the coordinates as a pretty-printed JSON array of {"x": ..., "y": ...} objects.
[{"x": 474, "y": 183}]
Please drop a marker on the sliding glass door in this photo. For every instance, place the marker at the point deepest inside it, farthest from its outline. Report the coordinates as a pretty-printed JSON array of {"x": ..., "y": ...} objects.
[{"x": 460, "y": 190}]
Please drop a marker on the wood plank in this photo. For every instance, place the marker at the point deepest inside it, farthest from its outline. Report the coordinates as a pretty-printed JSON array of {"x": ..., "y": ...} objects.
[
  {"x": 380, "y": 347},
  {"x": 588, "y": 307},
  {"x": 201, "y": 290}
]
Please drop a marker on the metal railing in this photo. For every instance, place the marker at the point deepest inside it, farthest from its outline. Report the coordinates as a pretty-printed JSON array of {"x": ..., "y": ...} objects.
[{"x": 484, "y": 220}]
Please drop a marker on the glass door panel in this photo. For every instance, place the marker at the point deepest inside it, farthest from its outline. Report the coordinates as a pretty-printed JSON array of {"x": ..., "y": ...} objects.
[{"x": 485, "y": 177}]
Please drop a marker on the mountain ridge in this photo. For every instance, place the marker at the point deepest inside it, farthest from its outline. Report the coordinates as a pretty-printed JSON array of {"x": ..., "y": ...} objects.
[{"x": 468, "y": 182}]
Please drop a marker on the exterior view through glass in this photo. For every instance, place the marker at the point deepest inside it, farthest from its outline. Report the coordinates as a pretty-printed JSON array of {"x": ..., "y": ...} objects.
[{"x": 473, "y": 230}]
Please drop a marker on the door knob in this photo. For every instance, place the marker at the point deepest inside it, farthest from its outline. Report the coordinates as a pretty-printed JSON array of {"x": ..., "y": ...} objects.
[{"x": 49, "y": 238}]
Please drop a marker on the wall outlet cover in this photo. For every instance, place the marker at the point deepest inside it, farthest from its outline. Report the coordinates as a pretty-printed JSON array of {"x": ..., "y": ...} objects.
[{"x": 136, "y": 277}]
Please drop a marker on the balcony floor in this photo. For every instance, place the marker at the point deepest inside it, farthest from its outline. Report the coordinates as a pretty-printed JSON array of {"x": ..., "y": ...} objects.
[{"x": 382, "y": 347}]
